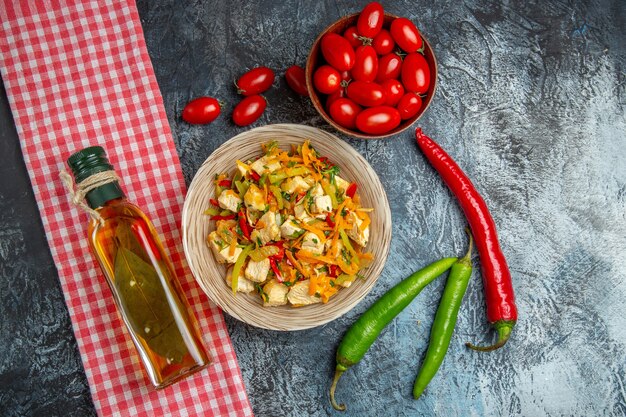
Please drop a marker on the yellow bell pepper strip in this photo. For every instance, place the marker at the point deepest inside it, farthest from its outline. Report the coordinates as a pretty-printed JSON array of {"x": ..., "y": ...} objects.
[
  {"x": 237, "y": 267},
  {"x": 264, "y": 252},
  {"x": 330, "y": 190},
  {"x": 346, "y": 242},
  {"x": 278, "y": 195},
  {"x": 301, "y": 170}
]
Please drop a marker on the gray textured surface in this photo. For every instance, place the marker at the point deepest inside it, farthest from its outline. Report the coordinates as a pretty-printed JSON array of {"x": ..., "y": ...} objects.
[{"x": 531, "y": 104}]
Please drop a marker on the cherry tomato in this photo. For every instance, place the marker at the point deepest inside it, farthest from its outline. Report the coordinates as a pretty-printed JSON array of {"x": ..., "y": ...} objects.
[
  {"x": 326, "y": 79},
  {"x": 389, "y": 67},
  {"x": 296, "y": 79},
  {"x": 249, "y": 110},
  {"x": 365, "y": 64},
  {"x": 370, "y": 20},
  {"x": 394, "y": 91},
  {"x": 406, "y": 35},
  {"x": 415, "y": 73},
  {"x": 337, "y": 51},
  {"x": 201, "y": 110},
  {"x": 344, "y": 111},
  {"x": 378, "y": 120},
  {"x": 353, "y": 37},
  {"x": 383, "y": 42},
  {"x": 255, "y": 81},
  {"x": 366, "y": 94},
  {"x": 409, "y": 105},
  {"x": 341, "y": 93}
]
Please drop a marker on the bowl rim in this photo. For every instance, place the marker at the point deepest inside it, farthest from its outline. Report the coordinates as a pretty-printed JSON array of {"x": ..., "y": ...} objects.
[
  {"x": 308, "y": 70},
  {"x": 372, "y": 273}
]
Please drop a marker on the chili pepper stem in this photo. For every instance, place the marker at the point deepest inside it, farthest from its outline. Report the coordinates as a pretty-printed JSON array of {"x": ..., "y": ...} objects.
[
  {"x": 467, "y": 259},
  {"x": 339, "y": 407},
  {"x": 504, "y": 329}
]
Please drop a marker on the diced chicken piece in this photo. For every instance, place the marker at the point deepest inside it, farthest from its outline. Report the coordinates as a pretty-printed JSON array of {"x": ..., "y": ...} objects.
[
  {"x": 276, "y": 294},
  {"x": 242, "y": 168},
  {"x": 295, "y": 185},
  {"x": 243, "y": 285},
  {"x": 341, "y": 183},
  {"x": 290, "y": 229},
  {"x": 263, "y": 165},
  {"x": 309, "y": 180},
  {"x": 360, "y": 237},
  {"x": 229, "y": 200},
  {"x": 270, "y": 230},
  {"x": 299, "y": 294},
  {"x": 333, "y": 250},
  {"x": 317, "y": 190},
  {"x": 323, "y": 204},
  {"x": 221, "y": 249},
  {"x": 300, "y": 212},
  {"x": 312, "y": 243},
  {"x": 255, "y": 198},
  {"x": 257, "y": 271}
]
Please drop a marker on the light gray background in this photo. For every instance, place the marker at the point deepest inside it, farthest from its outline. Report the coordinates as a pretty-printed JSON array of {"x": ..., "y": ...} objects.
[{"x": 530, "y": 103}]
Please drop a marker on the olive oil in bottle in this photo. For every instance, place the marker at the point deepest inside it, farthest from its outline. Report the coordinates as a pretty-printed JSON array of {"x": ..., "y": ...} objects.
[{"x": 139, "y": 274}]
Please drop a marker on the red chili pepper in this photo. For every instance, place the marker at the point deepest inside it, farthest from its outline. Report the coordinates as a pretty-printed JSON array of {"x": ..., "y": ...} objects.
[
  {"x": 281, "y": 251},
  {"x": 499, "y": 296},
  {"x": 227, "y": 217},
  {"x": 224, "y": 183},
  {"x": 279, "y": 277},
  {"x": 325, "y": 160},
  {"x": 144, "y": 237},
  {"x": 214, "y": 202},
  {"x": 300, "y": 197},
  {"x": 351, "y": 191},
  {"x": 243, "y": 225},
  {"x": 255, "y": 176},
  {"x": 329, "y": 221}
]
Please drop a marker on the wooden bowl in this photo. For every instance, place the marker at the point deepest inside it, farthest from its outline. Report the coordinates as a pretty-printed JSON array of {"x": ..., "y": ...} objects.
[
  {"x": 316, "y": 59},
  {"x": 196, "y": 227}
]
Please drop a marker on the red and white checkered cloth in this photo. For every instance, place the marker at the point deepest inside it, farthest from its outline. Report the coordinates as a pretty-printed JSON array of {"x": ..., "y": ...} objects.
[{"x": 79, "y": 74}]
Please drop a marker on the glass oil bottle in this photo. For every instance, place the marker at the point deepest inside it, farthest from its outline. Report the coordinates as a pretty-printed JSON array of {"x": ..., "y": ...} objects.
[{"x": 141, "y": 278}]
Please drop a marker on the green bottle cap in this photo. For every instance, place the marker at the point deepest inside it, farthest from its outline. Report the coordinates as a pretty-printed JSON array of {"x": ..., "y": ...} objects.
[{"x": 88, "y": 162}]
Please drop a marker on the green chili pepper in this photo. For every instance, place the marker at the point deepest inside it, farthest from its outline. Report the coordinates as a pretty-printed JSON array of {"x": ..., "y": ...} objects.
[
  {"x": 242, "y": 187},
  {"x": 277, "y": 177},
  {"x": 212, "y": 211},
  {"x": 292, "y": 172},
  {"x": 218, "y": 191},
  {"x": 237, "y": 267},
  {"x": 330, "y": 190},
  {"x": 366, "y": 329},
  {"x": 445, "y": 320}
]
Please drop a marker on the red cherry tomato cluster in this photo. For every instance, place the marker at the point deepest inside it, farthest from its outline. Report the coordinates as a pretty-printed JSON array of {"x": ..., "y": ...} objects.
[
  {"x": 204, "y": 110},
  {"x": 374, "y": 77}
]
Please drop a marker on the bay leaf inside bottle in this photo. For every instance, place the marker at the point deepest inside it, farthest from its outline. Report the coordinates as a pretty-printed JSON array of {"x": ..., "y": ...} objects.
[{"x": 145, "y": 301}]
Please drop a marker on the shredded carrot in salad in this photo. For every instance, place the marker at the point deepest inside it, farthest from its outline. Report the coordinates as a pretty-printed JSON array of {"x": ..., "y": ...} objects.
[{"x": 293, "y": 229}]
